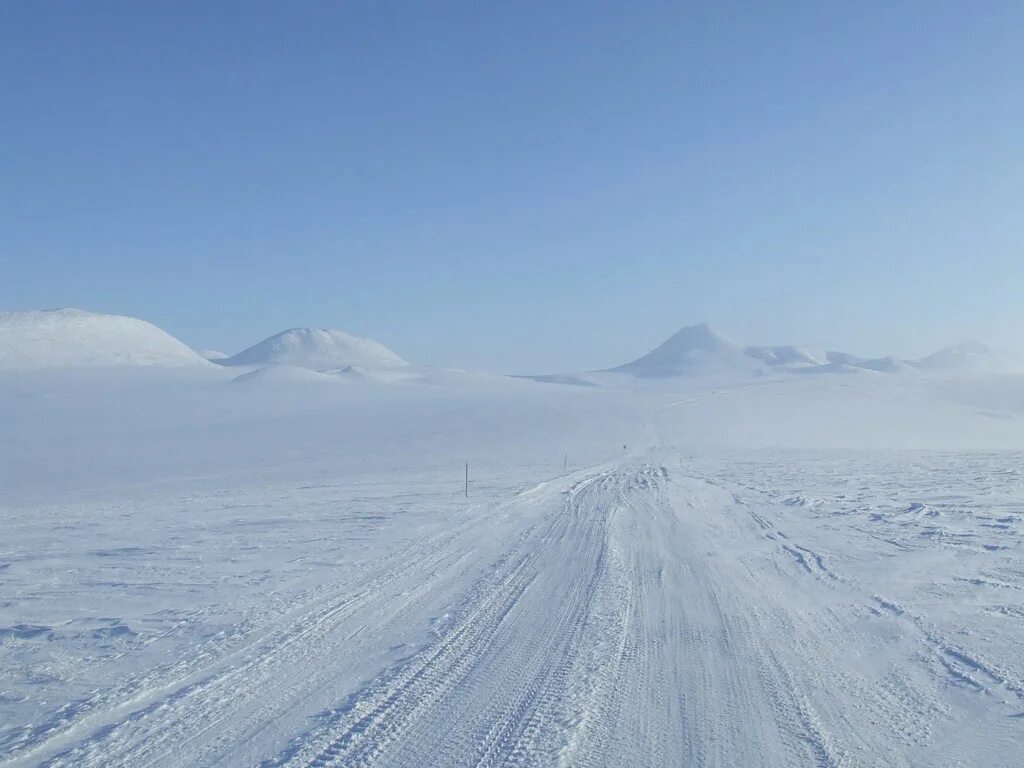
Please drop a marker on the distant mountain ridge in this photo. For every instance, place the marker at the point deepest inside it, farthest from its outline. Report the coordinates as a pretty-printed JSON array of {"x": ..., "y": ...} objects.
[
  {"x": 701, "y": 351},
  {"x": 967, "y": 356},
  {"x": 77, "y": 338}
]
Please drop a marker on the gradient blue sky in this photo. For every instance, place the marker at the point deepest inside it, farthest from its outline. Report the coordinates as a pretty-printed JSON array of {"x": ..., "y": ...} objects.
[{"x": 519, "y": 186}]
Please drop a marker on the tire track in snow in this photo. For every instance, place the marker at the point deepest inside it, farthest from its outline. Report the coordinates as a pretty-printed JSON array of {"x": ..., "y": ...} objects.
[
  {"x": 491, "y": 691},
  {"x": 640, "y": 620},
  {"x": 197, "y": 710},
  {"x": 610, "y": 641}
]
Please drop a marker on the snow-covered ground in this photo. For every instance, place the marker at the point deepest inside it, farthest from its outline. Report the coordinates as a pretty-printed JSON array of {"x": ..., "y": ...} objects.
[{"x": 283, "y": 570}]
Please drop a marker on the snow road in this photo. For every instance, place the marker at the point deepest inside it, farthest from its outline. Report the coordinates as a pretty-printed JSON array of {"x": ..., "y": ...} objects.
[{"x": 649, "y": 611}]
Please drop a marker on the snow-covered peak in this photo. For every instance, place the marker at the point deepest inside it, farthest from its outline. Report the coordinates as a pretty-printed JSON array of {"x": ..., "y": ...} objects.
[
  {"x": 971, "y": 355},
  {"x": 699, "y": 337},
  {"x": 284, "y": 374},
  {"x": 317, "y": 349},
  {"x": 696, "y": 349},
  {"x": 61, "y": 338},
  {"x": 701, "y": 351}
]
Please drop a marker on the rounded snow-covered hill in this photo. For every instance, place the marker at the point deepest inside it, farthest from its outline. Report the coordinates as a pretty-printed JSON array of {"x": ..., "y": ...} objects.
[
  {"x": 317, "y": 349},
  {"x": 62, "y": 338}
]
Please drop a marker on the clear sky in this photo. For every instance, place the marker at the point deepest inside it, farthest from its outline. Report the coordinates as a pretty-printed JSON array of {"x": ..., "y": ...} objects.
[{"x": 519, "y": 186}]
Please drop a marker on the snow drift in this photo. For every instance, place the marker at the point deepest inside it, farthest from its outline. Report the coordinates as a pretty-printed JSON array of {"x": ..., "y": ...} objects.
[{"x": 58, "y": 338}]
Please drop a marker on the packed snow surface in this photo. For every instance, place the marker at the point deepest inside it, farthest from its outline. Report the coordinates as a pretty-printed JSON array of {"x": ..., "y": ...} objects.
[
  {"x": 317, "y": 349},
  {"x": 806, "y": 571},
  {"x": 73, "y": 337}
]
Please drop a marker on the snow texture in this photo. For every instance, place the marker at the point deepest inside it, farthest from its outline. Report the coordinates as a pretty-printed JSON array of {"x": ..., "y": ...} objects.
[{"x": 202, "y": 566}]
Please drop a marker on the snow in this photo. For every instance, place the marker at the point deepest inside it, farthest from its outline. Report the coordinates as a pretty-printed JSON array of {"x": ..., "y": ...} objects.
[
  {"x": 789, "y": 356},
  {"x": 317, "y": 349},
  {"x": 203, "y": 565},
  {"x": 212, "y": 354},
  {"x": 284, "y": 374},
  {"x": 969, "y": 356},
  {"x": 699, "y": 352},
  {"x": 695, "y": 350},
  {"x": 74, "y": 338}
]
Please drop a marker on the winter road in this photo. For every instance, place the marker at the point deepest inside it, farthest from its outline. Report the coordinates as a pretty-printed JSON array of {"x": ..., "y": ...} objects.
[{"x": 646, "y": 612}]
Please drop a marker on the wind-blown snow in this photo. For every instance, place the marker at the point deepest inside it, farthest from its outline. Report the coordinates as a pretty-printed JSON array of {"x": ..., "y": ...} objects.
[
  {"x": 317, "y": 349},
  {"x": 76, "y": 338}
]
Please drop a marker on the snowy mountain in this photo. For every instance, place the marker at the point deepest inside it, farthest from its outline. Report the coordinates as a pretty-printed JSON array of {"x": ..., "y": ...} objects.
[
  {"x": 701, "y": 351},
  {"x": 969, "y": 356},
  {"x": 60, "y": 338},
  {"x": 317, "y": 349},
  {"x": 695, "y": 350}
]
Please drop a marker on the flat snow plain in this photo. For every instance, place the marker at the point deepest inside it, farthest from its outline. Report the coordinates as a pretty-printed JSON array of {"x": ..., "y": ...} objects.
[{"x": 816, "y": 571}]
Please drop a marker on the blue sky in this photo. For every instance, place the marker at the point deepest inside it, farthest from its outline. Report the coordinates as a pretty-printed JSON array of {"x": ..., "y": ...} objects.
[{"x": 519, "y": 186}]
